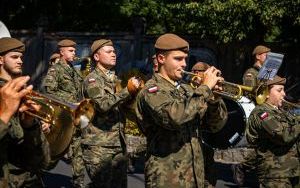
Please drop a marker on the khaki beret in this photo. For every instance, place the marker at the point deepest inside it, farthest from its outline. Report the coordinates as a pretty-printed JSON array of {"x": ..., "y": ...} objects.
[
  {"x": 200, "y": 66},
  {"x": 66, "y": 43},
  {"x": 171, "y": 41},
  {"x": 54, "y": 56},
  {"x": 260, "y": 49},
  {"x": 8, "y": 44},
  {"x": 277, "y": 80},
  {"x": 97, "y": 44}
]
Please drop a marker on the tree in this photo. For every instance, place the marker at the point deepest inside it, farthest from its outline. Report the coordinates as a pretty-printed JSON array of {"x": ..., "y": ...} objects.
[{"x": 223, "y": 20}]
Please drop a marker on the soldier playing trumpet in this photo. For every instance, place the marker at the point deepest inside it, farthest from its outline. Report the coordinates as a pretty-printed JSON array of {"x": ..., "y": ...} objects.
[
  {"x": 24, "y": 148},
  {"x": 170, "y": 112}
]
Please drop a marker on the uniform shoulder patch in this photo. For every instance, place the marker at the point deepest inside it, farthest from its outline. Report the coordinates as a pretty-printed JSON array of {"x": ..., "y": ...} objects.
[
  {"x": 249, "y": 75},
  {"x": 264, "y": 115},
  {"x": 92, "y": 80},
  {"x": 153, "y": 89}
]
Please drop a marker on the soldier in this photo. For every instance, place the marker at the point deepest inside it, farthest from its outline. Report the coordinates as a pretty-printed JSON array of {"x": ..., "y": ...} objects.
[
  {"x": 64, "y": 82},
  {"x": 242, "y": 170},
  {"x": 208, "y": 152},
  {"x": 260, "y": 54},
  {"x": 24, "y": 148},
  {"x": 274, "y": 134},
  {"x": 169, "y": 113},
  {"x": 104, "y": 149}
]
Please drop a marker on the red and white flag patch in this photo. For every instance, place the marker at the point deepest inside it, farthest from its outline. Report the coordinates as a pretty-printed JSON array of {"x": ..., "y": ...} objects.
[
  {"x": 153, "y": 89},
  {"x": 92, "y": 80},
  {"x": 249, "y": 75},
  {"x": 264, "y": 115}
]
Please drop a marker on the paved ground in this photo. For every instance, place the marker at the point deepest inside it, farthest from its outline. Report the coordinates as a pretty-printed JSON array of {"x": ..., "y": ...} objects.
[{"x": 60, "y": 177}]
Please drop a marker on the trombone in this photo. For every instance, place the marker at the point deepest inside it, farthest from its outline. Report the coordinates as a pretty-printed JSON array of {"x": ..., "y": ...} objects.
[{"x": 233, "y": 91}]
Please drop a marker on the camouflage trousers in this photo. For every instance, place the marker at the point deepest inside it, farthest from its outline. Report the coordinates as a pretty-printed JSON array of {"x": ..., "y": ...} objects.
[
  {"x": 106, "y": 166},
  {"x": 21, "y": 178},
  {"x": 78, "y": 168},
  {"x": 210, "y": 168},
  {"x": 280, "y": 183}
]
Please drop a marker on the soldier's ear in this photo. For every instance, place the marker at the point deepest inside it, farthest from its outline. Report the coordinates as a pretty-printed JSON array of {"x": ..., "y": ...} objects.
[
  {"x": 96, "y": 57},
  {"x": 161, "y": 58},
  {"x": 1, "y": 60}
]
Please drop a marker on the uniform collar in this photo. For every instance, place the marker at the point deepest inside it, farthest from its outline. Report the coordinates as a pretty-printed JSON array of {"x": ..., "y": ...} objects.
[
  {"x": 271, "y": 105},
  {"x": 172, "y": 82},
  {"x": 108, "y": 73}
]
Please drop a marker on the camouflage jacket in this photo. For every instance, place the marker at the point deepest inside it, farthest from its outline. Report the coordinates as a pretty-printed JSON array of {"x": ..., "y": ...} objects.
[
  {"x": 22, "y": 151},
  {"x": 170, "y": 117},
  {"x": 108, "y": 123},
  {"x": 274, "y": 134},
  {"x": 63, "y": 82},
  {"x": 250, "y": 76}
]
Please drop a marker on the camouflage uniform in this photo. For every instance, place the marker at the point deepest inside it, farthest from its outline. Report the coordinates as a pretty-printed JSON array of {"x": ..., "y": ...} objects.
[
  {"x": 64, "y": 82},
  {"x": 23, "y": 153},
  {"x": 214, "y": 125},
  {"x": 243, "y": 169},
  {"x": 250, "y": 76},
  {"x": 103, "y": 141},
  {"x": 169, "y": 116},
  {"x": 274, "y": 135}
]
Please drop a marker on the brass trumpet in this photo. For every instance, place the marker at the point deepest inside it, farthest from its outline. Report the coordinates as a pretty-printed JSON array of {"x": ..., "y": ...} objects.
[
  {"x": 233, "y": 91},
  {"x": 290, "y": 105},
  {"x": 63, "y": 117}
]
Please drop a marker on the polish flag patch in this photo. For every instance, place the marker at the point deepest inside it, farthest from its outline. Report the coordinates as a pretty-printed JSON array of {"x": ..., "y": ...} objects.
[
  {"x": 249, "y": 75},
  {"x": 264, "y": 115},
  {"x": 153, "y": 89},
  {"x": 92, "y": 80}
]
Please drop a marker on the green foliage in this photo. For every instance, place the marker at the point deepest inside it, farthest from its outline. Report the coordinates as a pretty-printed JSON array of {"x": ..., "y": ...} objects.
[{"x": 223, "y": 20}]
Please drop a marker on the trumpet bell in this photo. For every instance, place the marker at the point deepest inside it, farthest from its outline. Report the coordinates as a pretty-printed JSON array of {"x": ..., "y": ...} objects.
[
  {"x": 261, "y": 93},
  {"x": 66, "y": 118},
  {"x": 63, "y": 117}
]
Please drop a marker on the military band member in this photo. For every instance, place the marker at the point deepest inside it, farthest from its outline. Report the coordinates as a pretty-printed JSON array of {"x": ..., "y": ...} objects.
[
  {"x": 260, "y": 54},
  {"x": 24, "y": 148},
  {"x": 64, "y": 82},
  {"x": 170, "y": 112},
  {"x": 208, "y": 152},
  {"x": 274, "y": 134},
  {"x": 104, "y": 149},
  {"x": 242, "y": 170}
]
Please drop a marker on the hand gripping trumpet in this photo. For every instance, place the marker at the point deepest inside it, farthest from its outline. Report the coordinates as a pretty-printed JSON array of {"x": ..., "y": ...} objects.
[
  {"x": 63, "y": 118},
  {"x": 231, "y": 90}
]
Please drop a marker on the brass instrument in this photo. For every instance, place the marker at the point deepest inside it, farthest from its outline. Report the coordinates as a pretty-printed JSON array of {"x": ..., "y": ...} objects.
[
  {"x": 63, "y": 118},
  {"x": 86, "y": 65},
  {"x": 289, "y": 105},
  {"x": 234, "y": 91}
]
